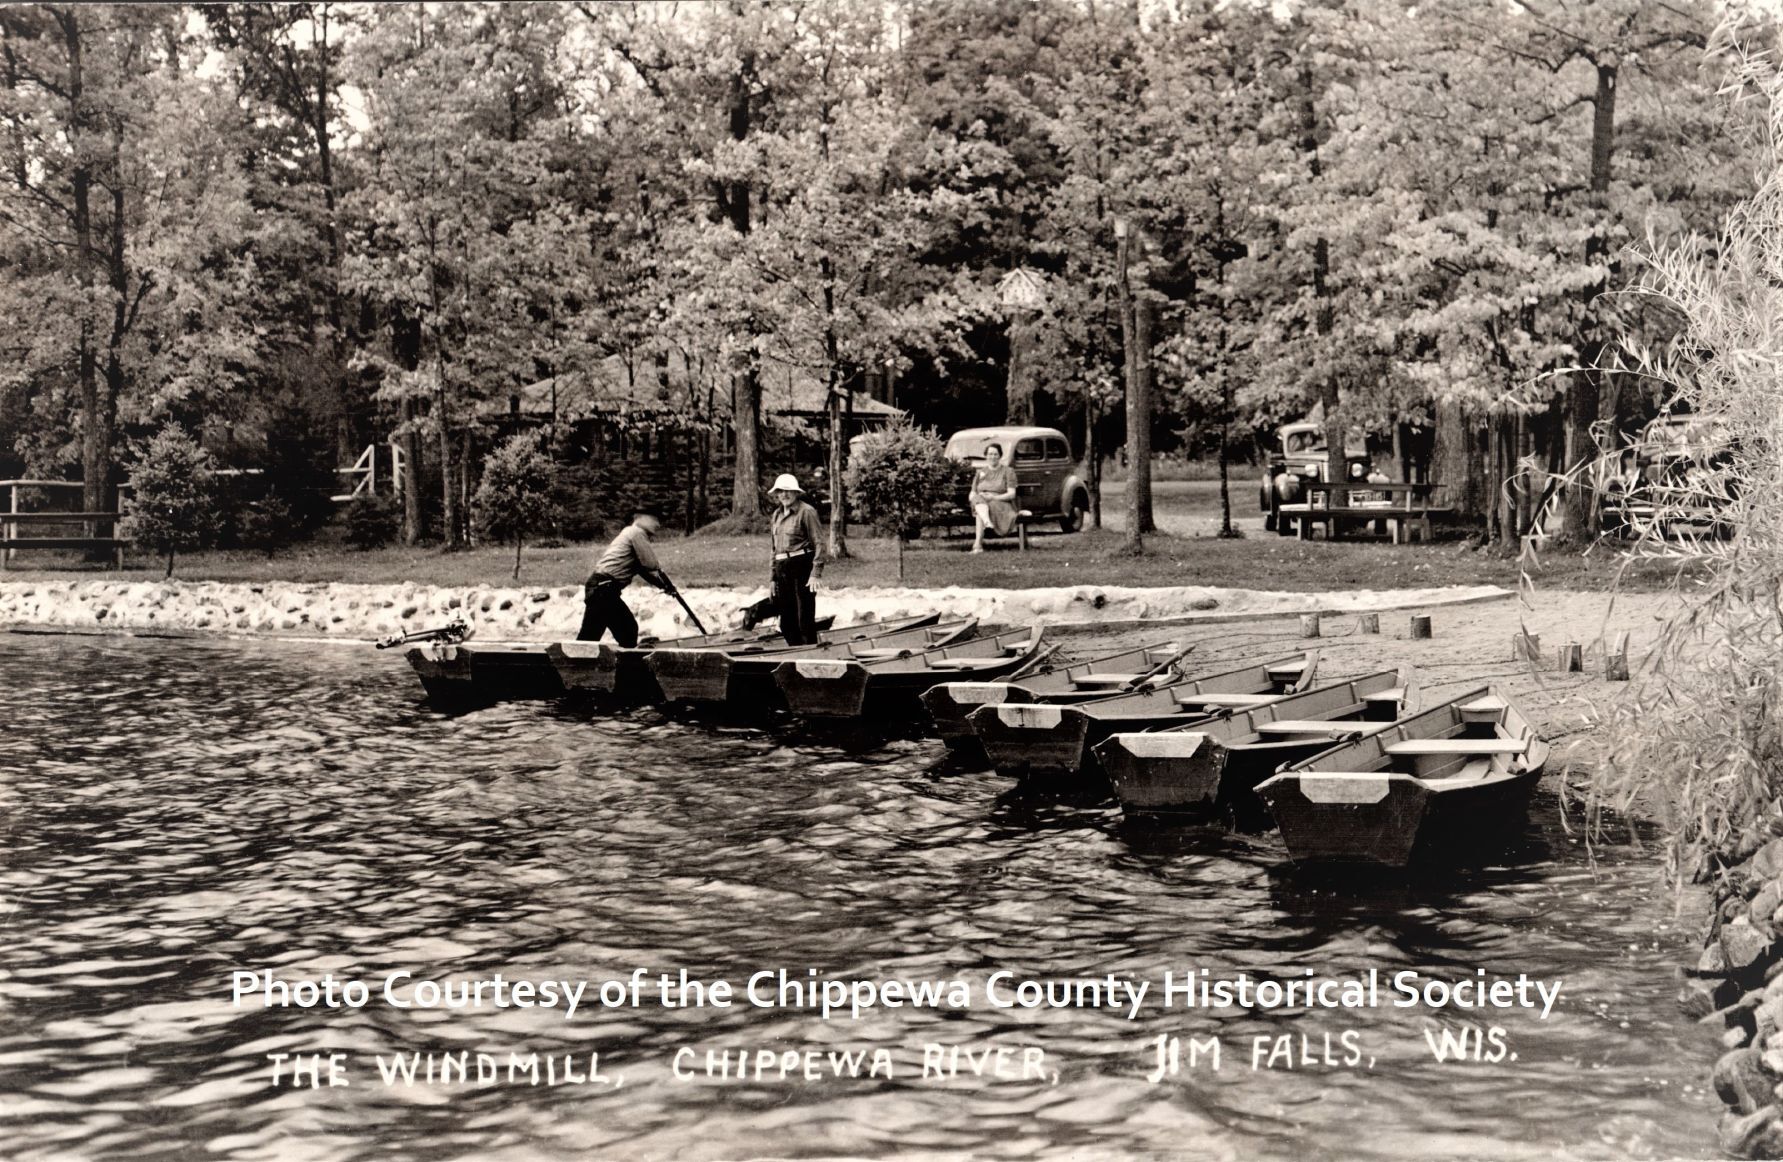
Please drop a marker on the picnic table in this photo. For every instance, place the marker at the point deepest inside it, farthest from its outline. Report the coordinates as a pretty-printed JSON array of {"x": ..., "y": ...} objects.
[{"x": 1405, "y": 506}]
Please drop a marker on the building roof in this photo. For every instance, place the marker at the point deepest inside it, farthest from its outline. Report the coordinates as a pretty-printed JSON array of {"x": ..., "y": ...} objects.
[{"x": 610, "y": 387}]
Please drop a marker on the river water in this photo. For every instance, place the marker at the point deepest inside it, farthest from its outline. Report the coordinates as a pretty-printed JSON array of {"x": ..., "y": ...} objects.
[{"x": 175, "y": 812}]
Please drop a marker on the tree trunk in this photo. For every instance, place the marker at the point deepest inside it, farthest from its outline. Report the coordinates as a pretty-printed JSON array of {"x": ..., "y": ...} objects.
[
  {"x": 746, "y": 424},
  {"x": 1226, "y": 529},
  {"x": 1136, "y": 343},
  {"x": 411, "y": 472},
  {"x": 838, "y": 535},
  {"x": 95, "y": 424},
  {"x": 1092, "y": 457},
  {"x": 517, "y": 544},
  {"x": 733, "y": 202}
]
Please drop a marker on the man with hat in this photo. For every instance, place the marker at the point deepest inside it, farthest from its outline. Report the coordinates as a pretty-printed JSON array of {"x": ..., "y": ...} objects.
[
  {"x": 799, "y": 558},
  {"x": 628, "y": 555}
]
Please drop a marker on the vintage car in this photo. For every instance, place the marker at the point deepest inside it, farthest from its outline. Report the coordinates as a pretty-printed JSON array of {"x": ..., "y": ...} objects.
[
  {"x": 1299, "y": 456},
  {"x": 1049, "y": 483},
  {"x": 1668, "y": 480}
]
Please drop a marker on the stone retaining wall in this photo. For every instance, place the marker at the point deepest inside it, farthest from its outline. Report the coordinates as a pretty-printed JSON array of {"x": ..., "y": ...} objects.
[{"x": 500, "y": 613}]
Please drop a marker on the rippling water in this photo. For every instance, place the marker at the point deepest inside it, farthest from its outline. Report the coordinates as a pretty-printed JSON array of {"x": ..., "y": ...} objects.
[{"x": 174, "y": 811}]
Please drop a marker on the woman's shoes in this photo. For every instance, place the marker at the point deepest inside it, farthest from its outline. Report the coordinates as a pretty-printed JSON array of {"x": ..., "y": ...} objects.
[{"x": 977, "y": 548}]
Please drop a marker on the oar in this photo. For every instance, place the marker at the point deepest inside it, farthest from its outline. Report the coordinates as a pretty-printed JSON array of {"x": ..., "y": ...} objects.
[
  {"x": 1162, "y": 668},
  {"x": 691, "y": 615}
]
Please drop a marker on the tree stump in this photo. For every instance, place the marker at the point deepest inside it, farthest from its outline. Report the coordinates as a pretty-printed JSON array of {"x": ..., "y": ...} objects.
[
  {"x": 1615, "y": 663},
  {"x": 1572, "y": 658},
  {"x": 1309, "y": 625},
  {"x": 1526, "y": 647},
  {"x": 1368, "y": 623},
  {"x": 1420, "y": 625}
]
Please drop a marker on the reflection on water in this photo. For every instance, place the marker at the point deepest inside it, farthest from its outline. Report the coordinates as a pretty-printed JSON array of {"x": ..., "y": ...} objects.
[{"x": 175, "y": 811}]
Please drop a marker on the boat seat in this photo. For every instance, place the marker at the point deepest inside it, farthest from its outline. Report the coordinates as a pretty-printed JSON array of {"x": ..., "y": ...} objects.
[
  {"x": 1286, "y": 673},
  {"x": 883, "y": 652},
  {"x": 1227, "y": 699},
  {"x": 1457, "y": 746},
  {"x": 967, "y": 663},
  {"x": 1332, "y": 727},
  {"x": 1108, "y": 679},
  {"x": 1396, "y": 694}
]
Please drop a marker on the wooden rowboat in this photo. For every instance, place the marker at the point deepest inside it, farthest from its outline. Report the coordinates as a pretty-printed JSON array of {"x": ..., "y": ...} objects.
[
  {"x": 482, "y": 672},
  {"x": 734, "y": 673},
  {"x": 1212, "y": 768},
  {"x": 951, "y": 704},
  {"x": 1054, "y": 742},
  {"x": 848, "y": 688},
  {"x": 464, "y": 674},
  {"x": 1455, "y": 779},
  {"x": 605, "y": 668}
]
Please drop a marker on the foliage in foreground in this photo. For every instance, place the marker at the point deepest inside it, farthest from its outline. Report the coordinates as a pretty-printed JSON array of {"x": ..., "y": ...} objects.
[
  {"x": 173, "y": 502},
  {"x": 1700, "y": 740}
]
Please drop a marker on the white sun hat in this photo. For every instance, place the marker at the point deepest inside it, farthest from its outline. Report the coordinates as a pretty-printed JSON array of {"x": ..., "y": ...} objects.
[{"x": 786, "y": 482}]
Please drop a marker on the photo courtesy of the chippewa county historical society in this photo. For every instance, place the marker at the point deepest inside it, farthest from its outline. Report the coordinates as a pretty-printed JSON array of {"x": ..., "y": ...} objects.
[{"x": 955, "y": 579}]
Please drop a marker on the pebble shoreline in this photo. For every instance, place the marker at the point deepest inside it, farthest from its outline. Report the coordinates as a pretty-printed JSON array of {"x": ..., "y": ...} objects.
[{"x": 533, "y": 613}]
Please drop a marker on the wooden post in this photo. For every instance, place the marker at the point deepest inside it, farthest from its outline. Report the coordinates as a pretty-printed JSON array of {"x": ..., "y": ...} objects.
[
  {"x": 1526, "y": 647},
  {"x": 1368, "y": 623},
  {"x": 12, "y": 529},
  {"x": 1309, "y": 625},
  {"x": 1572, "y": 658},
  {"x": 1420, "y": 625},
  {"x": 1615, "y": 663}
]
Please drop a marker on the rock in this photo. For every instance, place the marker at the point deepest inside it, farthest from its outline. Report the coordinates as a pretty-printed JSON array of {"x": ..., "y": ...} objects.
[
  {"x": 486, "y": 604},
  {"x": 1743, "y": 944},
  {"x": 1764, "y": 904},
  {"x": 1736, "y": 1038},
  {"x": 1768, "y": 1017},
  {"x": 539, "y": 595},
  {"x": 1713, "y": 962},
  {"x": 454, "y": 601},
  {"x": 1767, "y": 861},
  {"x": 1740, "y": 1081},
  {"x": 1755, "y": 1135},
  {"x": 1699, "y": 998},
  {"x": 409, "y": 611},
  {"x": 506, "y": 603}
]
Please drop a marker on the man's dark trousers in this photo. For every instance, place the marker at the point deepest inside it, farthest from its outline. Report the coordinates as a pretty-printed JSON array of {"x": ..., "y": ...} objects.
[
  {"x": 795, "y": 601},
  {"x": 603, "y": 611}
]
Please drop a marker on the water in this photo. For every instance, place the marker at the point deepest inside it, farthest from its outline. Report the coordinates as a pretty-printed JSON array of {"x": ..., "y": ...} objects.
[{"x": 175, "y": 811}]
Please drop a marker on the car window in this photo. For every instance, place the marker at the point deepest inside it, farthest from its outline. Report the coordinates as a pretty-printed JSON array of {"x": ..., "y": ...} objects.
[
  {"x": 968, "y": 447},
  {"x": 1056, "y": 449},
  {"x": 1299, "y": 441},
  {"x": 1028, "y": 451}
]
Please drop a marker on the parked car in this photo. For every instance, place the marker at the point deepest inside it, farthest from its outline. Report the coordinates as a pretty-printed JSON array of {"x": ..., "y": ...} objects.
[
  {"x": 1666, "y": 477},
  {"x": 1299, "y": 456},
  {"x": 1048, "y": 482}
]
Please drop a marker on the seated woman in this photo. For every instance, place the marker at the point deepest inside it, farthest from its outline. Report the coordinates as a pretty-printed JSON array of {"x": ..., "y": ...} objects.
[{"x": 993, "y": 497}]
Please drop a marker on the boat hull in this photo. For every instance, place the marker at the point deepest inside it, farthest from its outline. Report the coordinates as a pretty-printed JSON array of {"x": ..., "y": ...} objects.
[
  {"x": 835, "y": 688},
  {"x": 1189, "y": 774},
  {"x": 460, "y": 675},
  {"x": 1395, "y": 820}
]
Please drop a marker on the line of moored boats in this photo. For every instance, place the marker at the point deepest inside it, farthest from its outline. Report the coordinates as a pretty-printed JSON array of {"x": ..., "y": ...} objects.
[{"x": 1346, "y": 769}]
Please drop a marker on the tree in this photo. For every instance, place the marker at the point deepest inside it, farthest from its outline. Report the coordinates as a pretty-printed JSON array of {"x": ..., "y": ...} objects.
[
  {"x": 901, "y": 479},
  {"x": 173, "y": 504},
  {"x": 515, "y": 497}
]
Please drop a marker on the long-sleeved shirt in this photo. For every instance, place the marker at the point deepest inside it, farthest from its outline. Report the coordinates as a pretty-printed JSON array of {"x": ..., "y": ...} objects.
[
  {"x": 796, "y": 530},
  {"x": 627, "y": 555}
]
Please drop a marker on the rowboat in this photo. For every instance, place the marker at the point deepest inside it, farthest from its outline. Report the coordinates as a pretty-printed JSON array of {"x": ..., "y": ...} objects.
[
  {"x": 478, "y": 673},
  {"x": 950, "y": 704},
  {"x": 1045, "y": 741},
  {"x": 848, "y": 688},
  {"x": 1456, "y": 778},
  {"x": 736, "y": 673},
  {"x": 1212, "y": 768},
  {"x": 605, "y": 668}
]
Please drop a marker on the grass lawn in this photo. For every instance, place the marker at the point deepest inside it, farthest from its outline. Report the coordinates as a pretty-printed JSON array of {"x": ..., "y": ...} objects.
[{"x": 1258, "y": 561}]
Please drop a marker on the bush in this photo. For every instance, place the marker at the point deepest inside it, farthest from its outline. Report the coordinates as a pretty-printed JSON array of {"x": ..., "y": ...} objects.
[
  {"x": 265, "y": 524},
  {"x": 173, "y": 503},
  {"x": 372, "y": 522},
  {"x": 901, "y": 479},
  {"x": 516, "y": 496}
]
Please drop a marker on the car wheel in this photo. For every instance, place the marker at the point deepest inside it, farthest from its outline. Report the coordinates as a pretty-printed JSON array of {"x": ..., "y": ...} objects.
[{"x": 1071, "y": 521}]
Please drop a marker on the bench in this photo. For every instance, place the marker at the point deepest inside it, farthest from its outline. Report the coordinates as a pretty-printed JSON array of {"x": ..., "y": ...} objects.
[
  {"x": 1332, "y": 728},
  {"x": 11, "y": 542},
  {"x": 1405, "y": 507},
  {"x": 1457, "y": 746}
]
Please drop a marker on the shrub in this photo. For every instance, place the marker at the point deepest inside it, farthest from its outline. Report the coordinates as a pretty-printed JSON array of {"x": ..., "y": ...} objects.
[
  {"x": 372, "y": 522},
  {"x": 1698, "y": 739},
  {"x": 173, "y": 503},
  {"x": 515, "y": 498},
  {"x": 901, "y": 479}
]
